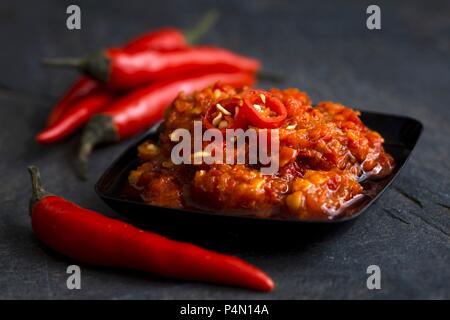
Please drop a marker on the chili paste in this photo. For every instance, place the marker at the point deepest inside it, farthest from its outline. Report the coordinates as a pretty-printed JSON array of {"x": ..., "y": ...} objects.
[{"x": 325, "y": 154}]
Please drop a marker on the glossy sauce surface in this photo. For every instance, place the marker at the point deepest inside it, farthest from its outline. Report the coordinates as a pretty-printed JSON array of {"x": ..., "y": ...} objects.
[{"x": 327, "y": 156}]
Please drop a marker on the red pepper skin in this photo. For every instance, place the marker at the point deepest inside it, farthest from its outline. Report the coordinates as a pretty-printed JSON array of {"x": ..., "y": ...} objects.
[
  {"x": 81, "y": 87},
  {"x": 258, "y": 119},
  {"x": 78, "y": 114},
  {"x": 89, "y": 237},
  {"x": 164, "y": 39},
  {"x": 133, "y": 70}
]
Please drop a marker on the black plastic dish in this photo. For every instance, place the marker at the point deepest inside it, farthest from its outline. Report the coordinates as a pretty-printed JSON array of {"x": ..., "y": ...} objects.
[{"x": 401, "y": 135}]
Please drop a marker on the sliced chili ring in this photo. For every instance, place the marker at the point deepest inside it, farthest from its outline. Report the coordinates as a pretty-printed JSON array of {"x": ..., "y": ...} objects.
[
  {"x": 225, "y": 114},
  {"x": 258, "y": 106}
]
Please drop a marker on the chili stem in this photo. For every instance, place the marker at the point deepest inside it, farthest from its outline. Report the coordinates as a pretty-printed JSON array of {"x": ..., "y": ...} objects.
[
  {"x": 38, "y": 191},
  {"x": 192, "y": 35},
  {"x": 99, "y": 129}
]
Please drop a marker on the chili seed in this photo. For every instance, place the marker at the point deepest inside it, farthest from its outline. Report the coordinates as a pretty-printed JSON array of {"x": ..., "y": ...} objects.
[
  {"x": 216, "y": 120},
  {"x": 257, "y": 107},
  {"x": 223, "y": 110},
  {"x": 263, "y": 98}
]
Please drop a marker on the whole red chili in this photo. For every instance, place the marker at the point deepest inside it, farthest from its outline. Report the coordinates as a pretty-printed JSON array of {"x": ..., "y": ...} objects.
[
  {"x": 122, "y": 70},
  {"x": 263, "y": 110},
  {"x": 89, "y": 237},
  {"x": 164, "y": 40},
  {"x": 79, "y": 113},
  {"x": 142, "y": 108}
]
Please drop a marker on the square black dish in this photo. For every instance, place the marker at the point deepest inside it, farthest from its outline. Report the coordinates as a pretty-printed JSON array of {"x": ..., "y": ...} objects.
[{"x": 400, "y": 133}]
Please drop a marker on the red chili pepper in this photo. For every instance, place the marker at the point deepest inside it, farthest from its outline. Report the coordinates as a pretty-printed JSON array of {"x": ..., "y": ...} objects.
[
  {"x": 80, "y": 112},
  {"x": 122, "y": 70},
  {"x": 89, "y": 237},
  {"x": 263, "y": 109},
  {"x": 81, "y": 87},
  {"x": 164, "y": 39},
  {"x": 142, "y": 108},
  {"x": 234, "y": 118}
]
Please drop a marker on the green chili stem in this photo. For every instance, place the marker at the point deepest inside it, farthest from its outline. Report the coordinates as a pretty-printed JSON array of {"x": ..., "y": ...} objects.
[{"x": 194, "y": 34}]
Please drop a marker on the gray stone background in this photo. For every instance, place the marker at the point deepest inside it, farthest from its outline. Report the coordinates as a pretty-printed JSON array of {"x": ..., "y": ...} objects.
[{"x": 326, "y": 50}]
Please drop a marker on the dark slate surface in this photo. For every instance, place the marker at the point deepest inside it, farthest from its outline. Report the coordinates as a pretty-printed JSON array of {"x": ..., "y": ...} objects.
[{"x": 327, "y": 51}]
